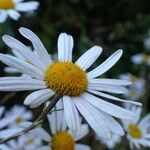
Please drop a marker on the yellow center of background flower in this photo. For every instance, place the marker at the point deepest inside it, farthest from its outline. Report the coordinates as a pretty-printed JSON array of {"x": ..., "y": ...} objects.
[
  {"x": 66, "y": 78},
  {"x": 134, "y": 131},
  {"x": 18, "y": 120},
  {"x": 7, "y": 4},
  {"x": 62, "y": 141}
]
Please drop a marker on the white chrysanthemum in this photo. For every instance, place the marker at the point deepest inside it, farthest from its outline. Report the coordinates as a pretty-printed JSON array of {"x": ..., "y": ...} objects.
[
  {"x": 18, "y": 116},
  {"x": 111, "y": 142},
  {"x": 33, "y": 140},
  {"x": 138, "y": 130},
  {"x": 138, "y": 86},
  {"x": 80, "y": 89},
  {"x": 140, "y": 59},
  {"x": 62, "y": 138},
  {"x": 12, "y": 8}
]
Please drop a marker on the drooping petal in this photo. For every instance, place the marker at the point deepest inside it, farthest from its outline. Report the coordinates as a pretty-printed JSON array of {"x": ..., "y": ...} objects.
[
  {"x": 82, "y": 147},
  {"x": 71, "y": 113},
  {"x": 93, "y": 117},
  {"x": 108, "y": 108},
  {"x": 36, "y": 98}
]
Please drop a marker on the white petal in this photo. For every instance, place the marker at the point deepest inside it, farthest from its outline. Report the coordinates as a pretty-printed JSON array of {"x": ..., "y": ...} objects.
[
  {"x": 65, "y": 46},
  {"x": 37, "y": 44},
  {"x": 36, "y": 98},
  {"x": 93, "y": 117},
  {"x": 106, "y": 65},
  {"x": 144, "y": 122},
  {"x": 110, "y": 82},
  {"x": 9, "y": 132},
  {"x": 89, "y": 57},
  {"x": 10, "y": 70},
  {"x": 1, "y": 110},
  {"x": 109, "y": 108},
  {"x": 23, "y": 51},
  {"x": 114, "y": 98},
  {"x": 82, "y": 147},
  {"x": 83, "y": 131},
  {"x": 3, "y": 16},
  {"x": 22, "y": 66},
  {"x": 108, "y": 88},
  {"x": 71, "y": 113},
  {"x": 14, "y": 14},
  {"x": 113, "y": 125},
  {"x": 27, "y": 6},
  {"x": 20, "y": 84}
]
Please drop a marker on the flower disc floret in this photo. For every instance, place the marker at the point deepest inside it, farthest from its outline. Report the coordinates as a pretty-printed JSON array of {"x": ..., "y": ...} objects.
[
  {"x": 66, "y": 78},
  {"x": 7, "y": 4},
  {"x": 134, "y": 131},
  {"x": 63, "y": 141}
]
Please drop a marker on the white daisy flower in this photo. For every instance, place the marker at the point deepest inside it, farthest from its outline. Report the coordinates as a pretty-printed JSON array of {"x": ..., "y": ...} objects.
[
  {"x": 29, "y": 141},
  {"x": 138, "y": 130},
  {"x": 138, "y": 86},
  {"x": 80, "y": 89},
  {"x": 6, "y": 132},
  {"x": 140, "y": 59},
  {"x": 111, "y": 142},
  {"x": 62, "y": 138},
  {"x": 18, "y": 116},
  {"x": 12, "y": 8}
]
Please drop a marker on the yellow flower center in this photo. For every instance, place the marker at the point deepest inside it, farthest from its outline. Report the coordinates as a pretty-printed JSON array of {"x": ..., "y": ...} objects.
[
  {"x": 134, "y": 131},
  {"x": 7, "y": 4},
  {"x": 66, "y": 78},
  {"x": 145, "y": 58},
  {"x": 18, "y": 120},
  {"x": 62, "y": 141},
  {"x": 133, "y": 79},
  {"x": 30, "y": 141}
]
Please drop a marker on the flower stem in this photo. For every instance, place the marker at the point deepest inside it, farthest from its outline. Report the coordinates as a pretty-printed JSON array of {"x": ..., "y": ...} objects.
[{"x": 37, "y": 122}]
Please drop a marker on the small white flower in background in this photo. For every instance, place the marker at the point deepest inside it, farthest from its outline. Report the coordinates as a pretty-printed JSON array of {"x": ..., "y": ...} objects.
[
  {"x": 111, "y": 142},
  {"x": 138, "y": 130},
  {"x": 32, "y": 140},
  {"x": 80, "y": 89},
  {"x": 12, "y": 8},
  {"x": 141, "y": 59},
  {"x": 18, "y": 116},
  {"x": 62, "y": 138},
  {"x": 4, "y": 131},
  {"x": 137, "y": 88}
]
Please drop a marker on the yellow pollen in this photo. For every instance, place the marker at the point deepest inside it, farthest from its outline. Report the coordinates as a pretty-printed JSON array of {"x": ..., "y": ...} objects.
[
  {"x": 30, "y": 141},
  {"x": 134, "y": 131},
  {"x": 7, "y": 4},
  {"x": 133, "y": 78},
  {"x": 66, "y": 78},
  {"x": 62, "y": 141},
  {"x": 145, "y": 58},
  {"x": 18, "y": 120}
]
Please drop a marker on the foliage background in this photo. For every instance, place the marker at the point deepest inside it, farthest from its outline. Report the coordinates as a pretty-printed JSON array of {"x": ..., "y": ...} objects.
[{"x": 108, "y": 23}]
